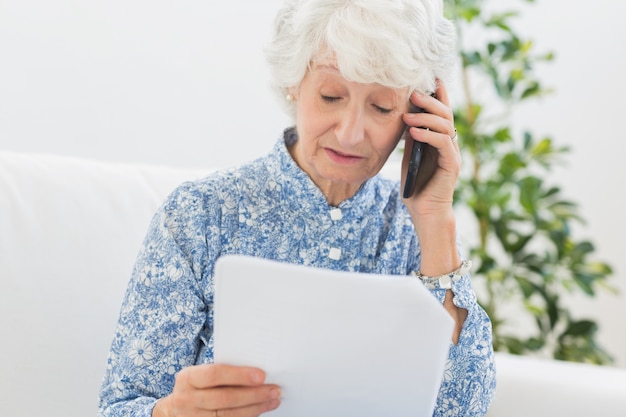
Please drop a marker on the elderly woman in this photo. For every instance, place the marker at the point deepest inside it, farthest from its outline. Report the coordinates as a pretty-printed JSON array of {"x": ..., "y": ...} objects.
[{"x": 347, "y": 70}]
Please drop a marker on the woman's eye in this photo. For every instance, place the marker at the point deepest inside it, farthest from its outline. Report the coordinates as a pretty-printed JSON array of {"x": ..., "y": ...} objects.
[
  {"x": 382, "y": 110},
  {"x": 330, "y": 99}
]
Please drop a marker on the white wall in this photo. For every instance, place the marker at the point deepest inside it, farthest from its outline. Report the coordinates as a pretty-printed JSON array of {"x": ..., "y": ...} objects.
[
  {"x": 174, "y": 82},
  {"x": 184, "y": 83},
  {"x": 586, "y": 113}
]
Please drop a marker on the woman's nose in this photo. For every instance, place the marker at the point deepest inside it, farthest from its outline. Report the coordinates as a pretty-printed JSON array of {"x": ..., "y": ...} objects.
[{"x": 351, "y": 127}]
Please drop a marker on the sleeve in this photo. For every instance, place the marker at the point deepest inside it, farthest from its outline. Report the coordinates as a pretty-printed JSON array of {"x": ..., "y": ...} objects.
[
  {"x": 164, "y": 312},
  {"x": 469, "y": 381}
]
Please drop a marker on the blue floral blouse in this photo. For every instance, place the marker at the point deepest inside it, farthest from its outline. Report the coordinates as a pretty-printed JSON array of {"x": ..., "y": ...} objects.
[{"x": 268, "y": 208}]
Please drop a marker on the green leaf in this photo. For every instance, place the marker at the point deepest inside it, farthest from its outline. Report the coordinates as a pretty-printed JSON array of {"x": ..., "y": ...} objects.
[
  {"x": 502, "y": 135},
  {"x": 530, "y": 191},
  {"x": 510, "y": 164},
  {"x": 547, "y": 57},
  {"x": 534, "y": 89},
  {"x": 580, "y": 328},
  {"x": 535, "y": 344},
  {"x": 471, "y": 58},
  {"x": 544, "y": 147},
  {"x": 553, "y": 310},
  {"x": 582, "y": 249},
  {"x": 528, "y": 289},
  {"x": 501, "y": 20},
  {"x": 554, "y": 191},
  {"x": 528, "y": 141},
  {"x": 585, "y": 282},
  {"x": 470, "y": 13},
  {"x": 514, "y": 345},
  {"x": 564, "y": 210}
]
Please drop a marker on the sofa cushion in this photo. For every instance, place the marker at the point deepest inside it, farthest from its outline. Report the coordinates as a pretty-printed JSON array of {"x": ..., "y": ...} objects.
[
  {"x": 69, "y": 233},
  {"x": 536, "y": 387}
]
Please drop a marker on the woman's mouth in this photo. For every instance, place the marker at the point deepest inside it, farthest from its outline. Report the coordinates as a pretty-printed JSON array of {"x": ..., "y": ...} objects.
[{"x": 342, "y": 158}]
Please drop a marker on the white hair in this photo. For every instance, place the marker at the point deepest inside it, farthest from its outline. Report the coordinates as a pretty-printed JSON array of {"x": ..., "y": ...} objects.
[{"x": 395, "y": 43}]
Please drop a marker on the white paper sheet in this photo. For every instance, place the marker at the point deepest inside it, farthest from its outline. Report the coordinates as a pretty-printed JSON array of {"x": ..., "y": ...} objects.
[{"x": 338, "y": 343}]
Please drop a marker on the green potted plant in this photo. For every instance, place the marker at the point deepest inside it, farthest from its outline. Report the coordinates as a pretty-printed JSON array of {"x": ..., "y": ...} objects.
[{"x": 526, "y": 255}]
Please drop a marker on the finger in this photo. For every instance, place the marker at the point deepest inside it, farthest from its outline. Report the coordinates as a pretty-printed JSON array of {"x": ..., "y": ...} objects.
[
  {"x": 431, "y": 106},
  {"x": 441, "y": 141},
  {"x": 234, "y": 397},
  {"x": 429, "y": 121},
  {"x": 250, "y": 411},
  {"x": 441, "y": 93},
  {"x": 215, "y": 375}
]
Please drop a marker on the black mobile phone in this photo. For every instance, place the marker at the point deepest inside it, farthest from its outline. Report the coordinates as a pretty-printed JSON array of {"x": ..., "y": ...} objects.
[
  {"x": 413, "y": 168},
  {"x": 422, "y": 162}
]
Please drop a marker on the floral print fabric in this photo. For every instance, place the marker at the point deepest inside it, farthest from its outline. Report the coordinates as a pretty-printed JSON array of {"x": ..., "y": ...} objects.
[{"x": 268, "y": 208}]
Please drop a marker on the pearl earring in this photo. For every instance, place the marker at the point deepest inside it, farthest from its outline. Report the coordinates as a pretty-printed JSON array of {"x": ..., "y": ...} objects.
[{"x": 290, "y": 97}]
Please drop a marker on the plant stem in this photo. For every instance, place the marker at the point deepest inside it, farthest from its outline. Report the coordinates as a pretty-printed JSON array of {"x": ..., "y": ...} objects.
[{"x": 481, "y": 211}]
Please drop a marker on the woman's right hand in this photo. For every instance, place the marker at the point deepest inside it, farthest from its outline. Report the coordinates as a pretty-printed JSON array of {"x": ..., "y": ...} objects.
[{"x": 219, "y": 391}]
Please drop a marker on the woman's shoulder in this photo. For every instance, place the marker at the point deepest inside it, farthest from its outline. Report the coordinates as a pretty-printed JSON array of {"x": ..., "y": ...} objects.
[
  {"x": 385, "y": 189},
  {"x": 220, "y": 186},
  {"x": 203, "y": 187}
]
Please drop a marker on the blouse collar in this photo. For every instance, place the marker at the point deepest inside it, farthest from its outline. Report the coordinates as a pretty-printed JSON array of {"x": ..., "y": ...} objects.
[{"x": 298, "y": 182}]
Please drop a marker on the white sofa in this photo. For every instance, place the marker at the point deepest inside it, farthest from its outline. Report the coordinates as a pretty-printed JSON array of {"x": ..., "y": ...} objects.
[{"x": 69, "y": 233}]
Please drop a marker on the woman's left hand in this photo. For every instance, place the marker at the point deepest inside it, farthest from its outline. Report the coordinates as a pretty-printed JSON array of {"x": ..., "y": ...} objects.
[{"x": 435, "y": 126}]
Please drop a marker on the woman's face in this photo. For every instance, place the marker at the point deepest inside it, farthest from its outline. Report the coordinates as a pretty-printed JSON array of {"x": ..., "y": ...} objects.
[{"x": 346, "y": 130}]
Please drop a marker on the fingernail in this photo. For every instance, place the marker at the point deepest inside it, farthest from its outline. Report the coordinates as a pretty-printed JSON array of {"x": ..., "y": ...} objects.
[
  {"x": 257, "y": 377},
  {"x": 275, "y": 393},
  {"x": 273, "y": 404}
]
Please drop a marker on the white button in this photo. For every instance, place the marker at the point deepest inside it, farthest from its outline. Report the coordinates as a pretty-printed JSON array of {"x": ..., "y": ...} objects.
[
  {"x": 335, "y": 254},
  {"x": 335, "y": 214}
]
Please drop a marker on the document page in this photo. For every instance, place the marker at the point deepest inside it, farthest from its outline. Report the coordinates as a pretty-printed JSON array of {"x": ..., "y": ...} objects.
[{"x": 337, "y": 343}]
